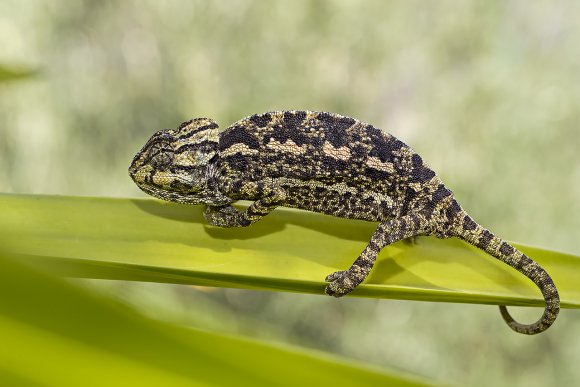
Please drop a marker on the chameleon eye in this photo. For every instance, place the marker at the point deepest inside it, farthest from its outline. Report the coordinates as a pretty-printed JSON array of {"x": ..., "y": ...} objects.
[{"x": 161, "y": 154}]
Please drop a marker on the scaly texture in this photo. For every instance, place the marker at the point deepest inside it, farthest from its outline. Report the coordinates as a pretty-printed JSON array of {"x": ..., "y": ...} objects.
[{"x": 326, "y": 163}]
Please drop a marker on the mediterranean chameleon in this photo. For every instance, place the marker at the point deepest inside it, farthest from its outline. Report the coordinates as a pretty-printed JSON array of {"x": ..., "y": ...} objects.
[{"x": 325, "y": 163}]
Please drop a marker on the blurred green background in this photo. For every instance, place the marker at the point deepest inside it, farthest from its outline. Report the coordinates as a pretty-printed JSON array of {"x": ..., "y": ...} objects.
[{"x": 486, "y": 91}]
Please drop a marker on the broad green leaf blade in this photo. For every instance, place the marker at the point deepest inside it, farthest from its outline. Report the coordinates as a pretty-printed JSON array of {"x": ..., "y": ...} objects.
[
  {"x": 149, "y": 240},
  {"x": 57, "y": 334},
  {"x": 11, "y": 73}
]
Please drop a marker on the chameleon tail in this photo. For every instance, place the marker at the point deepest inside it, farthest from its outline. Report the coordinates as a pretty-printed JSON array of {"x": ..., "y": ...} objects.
[{"x": 478, "y": 236}]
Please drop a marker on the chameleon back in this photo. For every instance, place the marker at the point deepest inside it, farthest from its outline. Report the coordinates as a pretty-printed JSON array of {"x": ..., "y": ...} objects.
[{"x": 328, "y": 163}]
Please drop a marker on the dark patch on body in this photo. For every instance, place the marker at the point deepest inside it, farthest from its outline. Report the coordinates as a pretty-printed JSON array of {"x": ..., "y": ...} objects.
[
  {"x": 384, "y": 147},
  {"x": 333, "y": 165},
  {"x": 237, "y": 135},
  {"x": 440, "y": 193},
  {"x": 506, "y": 249},
  {"x": 452, "y": 211},
  {"x": 468, "y": 223},
  {"x": 261, "y": 120},
  {"x": 283, "y": 133},
  {"x": 485, "y": 238},
  {"x": 420, "y": 173},
  {"x": 294, "y": 119}
]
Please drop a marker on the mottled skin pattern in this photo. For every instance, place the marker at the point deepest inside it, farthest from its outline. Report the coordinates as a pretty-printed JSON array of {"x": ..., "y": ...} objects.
[{"x": 325, "y": 163}]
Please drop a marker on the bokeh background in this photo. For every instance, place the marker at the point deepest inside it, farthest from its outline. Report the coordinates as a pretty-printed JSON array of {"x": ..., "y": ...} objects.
[{"x": 488, "y": 92}]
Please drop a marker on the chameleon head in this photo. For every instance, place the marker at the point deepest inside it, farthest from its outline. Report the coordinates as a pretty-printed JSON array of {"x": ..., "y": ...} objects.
[{"x": 175, "y": 164}]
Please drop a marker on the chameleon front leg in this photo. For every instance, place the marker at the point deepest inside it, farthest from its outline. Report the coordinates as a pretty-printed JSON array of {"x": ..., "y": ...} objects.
[
  {"x": 228, "y": 216},
  {"x": 224, "y": 216},
  {"x": 343, "y": 282}
]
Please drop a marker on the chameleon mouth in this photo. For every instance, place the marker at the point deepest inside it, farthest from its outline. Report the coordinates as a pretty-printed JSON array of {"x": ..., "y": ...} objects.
[
  {"x": 156, "y": 192},
  {"x": 160, "y": 193}
]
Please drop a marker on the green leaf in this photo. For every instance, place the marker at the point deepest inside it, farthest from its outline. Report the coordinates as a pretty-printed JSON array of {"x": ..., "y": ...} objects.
[
  {"x": 57, "y": 334},
  {"x": 150, "y": 240},
  {"x": 10, "y": 73}
]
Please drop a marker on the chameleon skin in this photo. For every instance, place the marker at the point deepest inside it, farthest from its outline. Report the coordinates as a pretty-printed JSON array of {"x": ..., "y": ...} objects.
[{"x": 327, "y": 163}]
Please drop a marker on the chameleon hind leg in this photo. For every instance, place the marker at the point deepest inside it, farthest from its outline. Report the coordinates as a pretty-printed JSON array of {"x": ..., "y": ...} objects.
[{"x": 343, "y": 282}]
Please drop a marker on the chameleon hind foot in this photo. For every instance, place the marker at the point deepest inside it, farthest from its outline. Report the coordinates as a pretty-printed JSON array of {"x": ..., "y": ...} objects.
[{"x": 344, "y": 281}]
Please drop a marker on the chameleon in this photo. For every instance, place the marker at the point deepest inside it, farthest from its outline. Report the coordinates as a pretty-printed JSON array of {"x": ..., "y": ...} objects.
[{"x": 326, "y": 163}]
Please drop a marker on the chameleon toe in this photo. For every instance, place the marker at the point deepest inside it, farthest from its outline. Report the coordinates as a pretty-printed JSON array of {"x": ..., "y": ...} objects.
[{"x": 333, "y": 276}]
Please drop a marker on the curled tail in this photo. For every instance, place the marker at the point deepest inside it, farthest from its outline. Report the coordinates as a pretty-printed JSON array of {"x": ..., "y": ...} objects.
[{"x": 478, "y": 236}]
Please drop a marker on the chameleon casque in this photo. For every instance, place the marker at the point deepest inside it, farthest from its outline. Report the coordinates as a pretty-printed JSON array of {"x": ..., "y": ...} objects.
[{"x": 327, "y": 163}]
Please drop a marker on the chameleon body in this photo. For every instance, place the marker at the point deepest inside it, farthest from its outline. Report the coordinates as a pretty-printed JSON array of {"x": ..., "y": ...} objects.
[{"x": 326, "y": 163}]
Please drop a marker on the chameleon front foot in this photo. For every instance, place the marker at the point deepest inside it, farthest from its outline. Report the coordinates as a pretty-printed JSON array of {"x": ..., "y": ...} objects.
[
  {"x": 225, "y": 216},
  {"x": 344, "y": 281}
]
